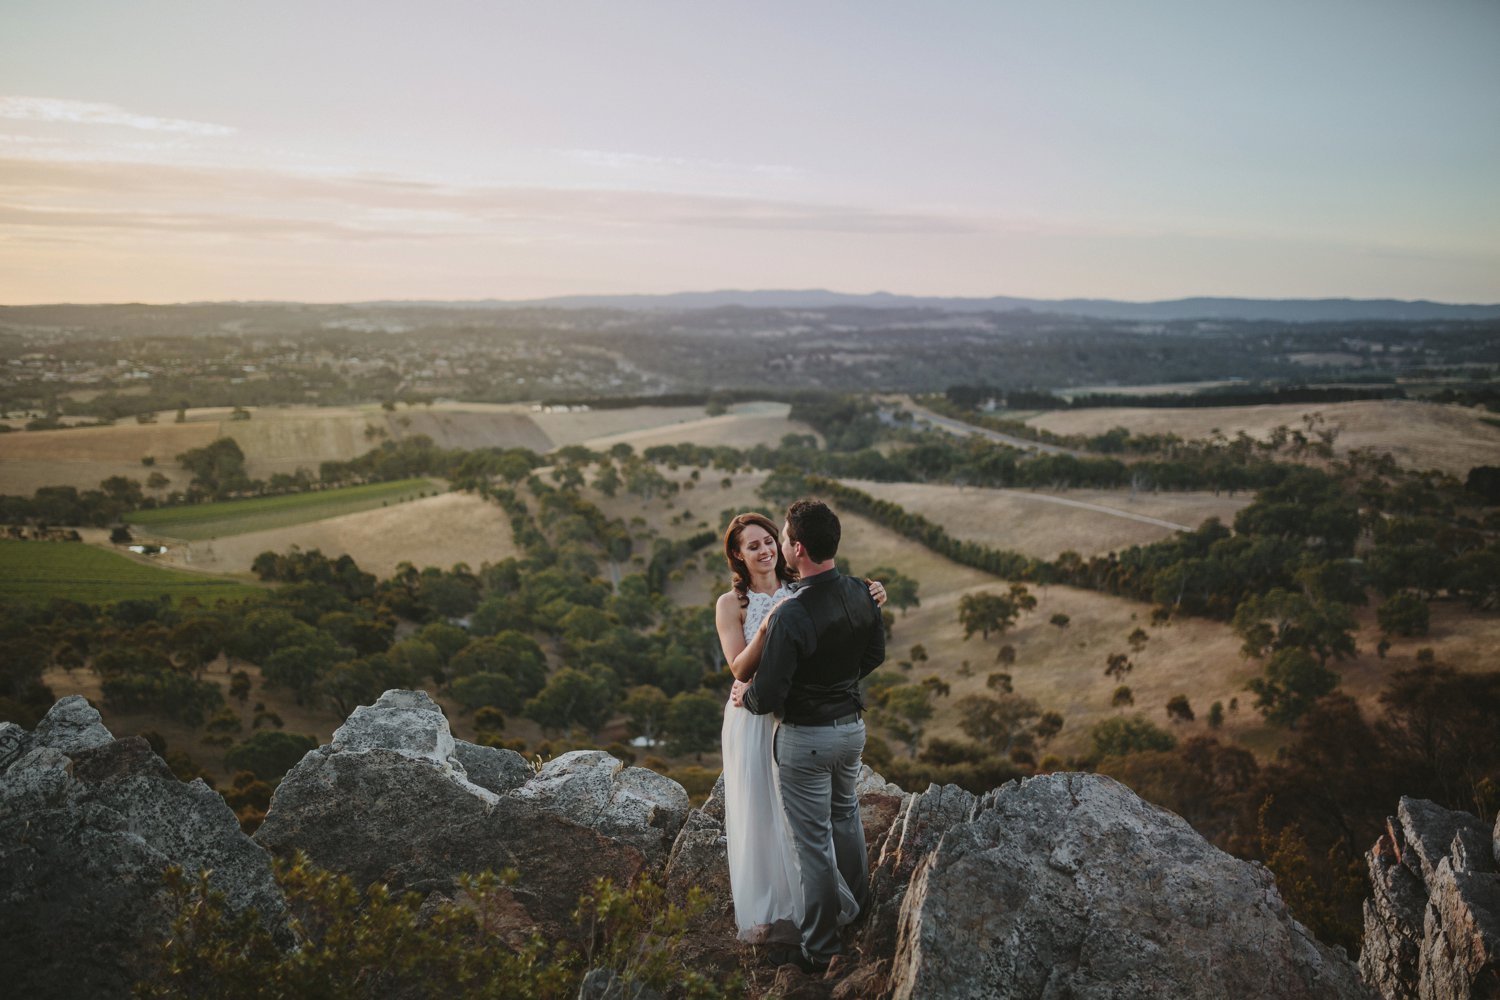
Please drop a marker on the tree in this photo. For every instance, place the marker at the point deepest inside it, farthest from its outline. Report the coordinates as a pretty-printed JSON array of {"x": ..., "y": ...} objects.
[
  {"x": 1216, "y": 715},
  {"x": 269, "y": 754},
  {"x": 502, "y": 670},
  {"x": 1122, "y": 698},
  {"x": 1284, "y": 619},
  {"x": 900, "y": 589},
  {"x": 299, "y": 668},
  {"x": 1405, "y": 614},
  {"x": 694, "y": 721},
  {"x": 1293, "y": 681},
  {"x": 987, "y": 612},
  {"x": 1117, "y": 665},
  {"x": 217, "y": 467},
  {"x": 1178, "y": 709},
  {"x": 1060, "y": 620},
  {"x": 904, "y": 713},
  {"x": 998, "y": 721},
  {"x": 1121, "y": 735},
  {"x": 645, "y": 708},
  {"x": 574, "y": 697},
  {"x": 1137, "y": 640},
  {"x": 1048, "y": 726}
]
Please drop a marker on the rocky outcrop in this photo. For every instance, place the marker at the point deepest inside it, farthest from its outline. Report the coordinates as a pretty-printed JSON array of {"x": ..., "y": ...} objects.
[
  {"x": 1432, "y": 924},
  {"x": 88, "y": 825},
  {"x": 390, "y": 800},
  {"x": 1062, "y": 885},
  {"x": 1070, "y": 885}
]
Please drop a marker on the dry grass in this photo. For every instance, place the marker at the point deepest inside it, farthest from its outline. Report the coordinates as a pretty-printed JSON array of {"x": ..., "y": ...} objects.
[
  {"x": 1044, "y": 525},
  {"x": 745, "y": 425},
  {"x": 435, "y": 531},
  {"x": 284, "y": 439},
  {"x": 275, "y": 439},
  {"x": 1419, "y": 435}
]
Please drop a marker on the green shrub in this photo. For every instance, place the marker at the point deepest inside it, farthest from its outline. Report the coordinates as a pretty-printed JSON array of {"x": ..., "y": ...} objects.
[{"x": 343, "y": 943}]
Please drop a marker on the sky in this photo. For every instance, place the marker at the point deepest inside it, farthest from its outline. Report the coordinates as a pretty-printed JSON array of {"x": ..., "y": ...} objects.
[{"x": 324, "y": 150}]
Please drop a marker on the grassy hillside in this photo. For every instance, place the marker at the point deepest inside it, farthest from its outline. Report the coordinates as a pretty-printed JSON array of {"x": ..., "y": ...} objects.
[
  {"x": 1045, "y": 524},
  {"x": 438, "y": 530},
  {"x": 39, "y": 571},
  {"x": 1419, "y": 435},
  {"x": 238, "y": 517}
]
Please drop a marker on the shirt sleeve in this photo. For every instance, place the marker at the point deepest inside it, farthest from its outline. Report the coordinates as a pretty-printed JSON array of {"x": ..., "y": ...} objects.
[
  {"x": 874, "y": 654},
  {"x": 790, "y": 633}
]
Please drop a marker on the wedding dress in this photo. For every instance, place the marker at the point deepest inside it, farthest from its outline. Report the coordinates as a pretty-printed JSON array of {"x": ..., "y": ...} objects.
[{"x": 763, "y": 870}]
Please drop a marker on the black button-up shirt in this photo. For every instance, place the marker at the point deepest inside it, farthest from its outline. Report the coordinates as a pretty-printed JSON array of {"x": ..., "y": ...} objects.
[{"x": 822, "y": 642}]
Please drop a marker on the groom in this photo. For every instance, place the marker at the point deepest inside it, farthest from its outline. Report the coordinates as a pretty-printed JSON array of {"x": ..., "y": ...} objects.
[{"x": 821, "y": 643}]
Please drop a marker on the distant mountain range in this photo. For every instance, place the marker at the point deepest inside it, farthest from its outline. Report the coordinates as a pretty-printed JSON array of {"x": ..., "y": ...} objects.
[{"x": 1283, "y": 310}]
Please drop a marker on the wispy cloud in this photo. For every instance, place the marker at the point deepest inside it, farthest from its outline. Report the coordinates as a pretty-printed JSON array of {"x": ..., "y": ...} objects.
[
  {"x": 120, "y": 196},
  {"x": 52, "y": 109}
]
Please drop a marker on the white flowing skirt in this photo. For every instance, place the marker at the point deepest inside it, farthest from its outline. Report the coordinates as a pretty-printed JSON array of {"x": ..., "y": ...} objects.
[{"x": 763, "y": 871}]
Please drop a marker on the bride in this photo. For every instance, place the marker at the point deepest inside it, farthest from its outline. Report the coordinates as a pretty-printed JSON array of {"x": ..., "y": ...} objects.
[{"x": 763, "y": 873}]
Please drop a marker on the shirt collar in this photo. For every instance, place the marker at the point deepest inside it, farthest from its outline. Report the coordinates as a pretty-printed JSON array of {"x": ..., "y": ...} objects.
[{"x": 827, "y": 574}]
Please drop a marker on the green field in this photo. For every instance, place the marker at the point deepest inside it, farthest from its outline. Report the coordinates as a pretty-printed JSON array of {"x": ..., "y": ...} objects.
[
  {"x": 240, "y": 517},
  {"x": 39, "y": 571}
]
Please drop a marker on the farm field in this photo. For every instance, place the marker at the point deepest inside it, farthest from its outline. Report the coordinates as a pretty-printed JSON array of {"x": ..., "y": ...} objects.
[
  {"x": 275, "y": 439},
  {"x": 745, "y": 425},
  {"x": 39, "y": 571},
  {"x": 239, "y": 517},
  {"x": 284, "y": 439},
  {"x": 432, "y": 531},
  {"x": 1043, "y": 525},
  {"x": 1418, "y": 435}
]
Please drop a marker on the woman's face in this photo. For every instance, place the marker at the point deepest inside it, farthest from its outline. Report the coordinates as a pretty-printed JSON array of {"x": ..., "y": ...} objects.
[{"x": 758, "y": 549}]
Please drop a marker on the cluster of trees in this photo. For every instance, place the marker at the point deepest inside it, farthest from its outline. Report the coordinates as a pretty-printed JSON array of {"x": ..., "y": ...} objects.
[{"x": 1312, "y": 811}]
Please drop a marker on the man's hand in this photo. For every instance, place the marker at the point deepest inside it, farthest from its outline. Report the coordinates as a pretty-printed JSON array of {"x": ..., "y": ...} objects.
[{"x": 737, "y": 694}]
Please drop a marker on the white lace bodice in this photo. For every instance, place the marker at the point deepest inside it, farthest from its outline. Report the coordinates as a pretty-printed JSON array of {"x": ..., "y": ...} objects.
[{"x": 760, "y": 606}]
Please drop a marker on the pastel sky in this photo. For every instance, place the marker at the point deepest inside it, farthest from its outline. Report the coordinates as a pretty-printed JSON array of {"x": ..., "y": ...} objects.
[{"x": 339, "y": 150}]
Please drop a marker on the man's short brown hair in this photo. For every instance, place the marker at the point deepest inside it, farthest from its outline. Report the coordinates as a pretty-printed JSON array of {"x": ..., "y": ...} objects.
[{"x": 816, "y": 526}]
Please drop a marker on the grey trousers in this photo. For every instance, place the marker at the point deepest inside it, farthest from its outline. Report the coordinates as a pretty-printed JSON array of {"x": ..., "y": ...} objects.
[{"x": 819, "y": 767}]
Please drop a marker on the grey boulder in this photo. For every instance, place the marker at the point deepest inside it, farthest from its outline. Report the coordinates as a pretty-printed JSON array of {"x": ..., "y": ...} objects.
[{"x": 1070, "y": 885}]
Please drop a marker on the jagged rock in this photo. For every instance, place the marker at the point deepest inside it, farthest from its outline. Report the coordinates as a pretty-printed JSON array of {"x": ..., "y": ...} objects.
[
  {"x": 14, "y": 743},
  {"x": 1071, "y": 885},
  {"x": 493, "y": 768},
  {"x": 404, "y": 721},
  {"x": 880, "y": 802},
  {"x": 919, "y": 824},
  {"x": 700, "y": 860},
  {"x": 1461, "y": 935},
  {"x": 595, "y": 790},
  {"x": 1432, "y": 924},
  {"x": 1429, "y": 830},
  {"x": 71, "y": 724},
  {"x": 86, "y": 831},
  {"x": 408, "y": 814},
  {"x": 1394, "y": 915}
]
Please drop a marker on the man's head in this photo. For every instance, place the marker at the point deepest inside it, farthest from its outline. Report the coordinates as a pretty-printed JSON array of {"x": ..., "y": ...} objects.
[{"x": 812, "y": 527}]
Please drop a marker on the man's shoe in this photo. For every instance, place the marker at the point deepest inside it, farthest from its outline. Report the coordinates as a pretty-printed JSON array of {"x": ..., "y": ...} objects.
[
  {"x": 785, "y": 954},
  {"x": 793, "y": 955}
]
